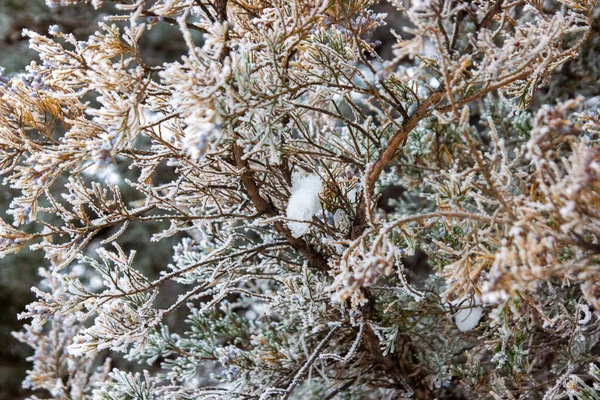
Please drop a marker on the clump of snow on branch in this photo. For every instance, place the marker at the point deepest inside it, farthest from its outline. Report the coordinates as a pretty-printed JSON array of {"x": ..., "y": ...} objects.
[
  {"x": 468, "y": 315},
  {"x": 304, "y": 202}
]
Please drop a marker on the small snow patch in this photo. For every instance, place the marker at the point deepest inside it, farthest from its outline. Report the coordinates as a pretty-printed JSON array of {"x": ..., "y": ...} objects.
[
  {"x": 304, "y": 202},
  {"x": 468, "y": 317}
]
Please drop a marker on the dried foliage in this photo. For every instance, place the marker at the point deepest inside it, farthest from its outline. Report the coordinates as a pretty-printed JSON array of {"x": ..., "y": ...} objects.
[{"x": 268, "y": 145}]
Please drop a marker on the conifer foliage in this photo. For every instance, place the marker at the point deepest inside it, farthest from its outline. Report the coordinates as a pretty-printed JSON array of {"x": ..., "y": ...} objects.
[{"x": 266, "y": 150}]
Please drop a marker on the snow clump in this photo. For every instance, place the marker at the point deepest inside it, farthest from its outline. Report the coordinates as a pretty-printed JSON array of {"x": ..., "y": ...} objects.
[
  {"x": 304, "y": 202},
  {"x": 468, "y": 316}
]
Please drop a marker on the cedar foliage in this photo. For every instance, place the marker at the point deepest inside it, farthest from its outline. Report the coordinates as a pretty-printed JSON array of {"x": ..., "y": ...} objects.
[{"x": 267, "y": 147}]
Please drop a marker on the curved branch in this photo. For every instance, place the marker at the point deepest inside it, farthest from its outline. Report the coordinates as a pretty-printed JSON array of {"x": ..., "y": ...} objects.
[
  {"x": 398, "y": 139},
  {"x": 314, "y": 258}
]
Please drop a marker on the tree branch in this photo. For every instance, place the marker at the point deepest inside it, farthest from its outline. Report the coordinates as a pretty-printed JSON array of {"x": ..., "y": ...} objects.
[
  {"x": 388, "y": 155},
  {"x": 314, "y": 258}
]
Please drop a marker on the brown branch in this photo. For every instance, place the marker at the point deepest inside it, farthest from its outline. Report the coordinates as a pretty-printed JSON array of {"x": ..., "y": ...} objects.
[
  {"x": 173, "y": 21},
  {"x": 205, "y": 10},
  {"x": 314, "y": 258},
  {"x": 221, "y": 8},
  {"x": 495, "y": 9},
  {"x": 400, "y": 137},
  {"x": 388, "y": 155}
]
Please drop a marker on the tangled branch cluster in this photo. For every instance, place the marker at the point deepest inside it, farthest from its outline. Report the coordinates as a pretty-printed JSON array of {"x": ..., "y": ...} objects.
[{"x": 265, "y": 150}]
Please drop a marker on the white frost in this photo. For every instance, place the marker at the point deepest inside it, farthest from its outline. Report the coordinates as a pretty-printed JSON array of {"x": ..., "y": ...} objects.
[{"x": 304, "y": 202}]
